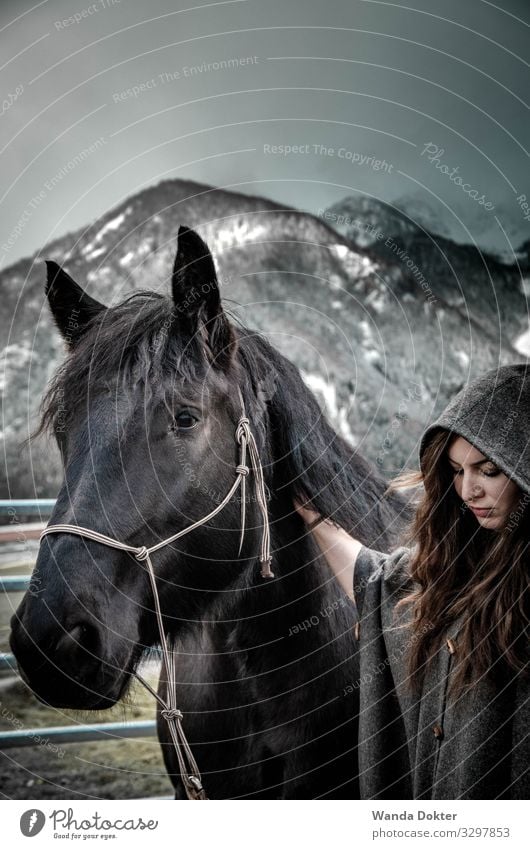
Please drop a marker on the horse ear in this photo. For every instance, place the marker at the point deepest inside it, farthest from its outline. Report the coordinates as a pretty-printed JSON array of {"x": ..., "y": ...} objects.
[
  {"x": 71, "y": 307},
  {"x": 197, "y": 298}
]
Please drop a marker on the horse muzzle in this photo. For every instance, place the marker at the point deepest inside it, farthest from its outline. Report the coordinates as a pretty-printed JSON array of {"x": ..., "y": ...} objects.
[{"x": 63, "y": 666}]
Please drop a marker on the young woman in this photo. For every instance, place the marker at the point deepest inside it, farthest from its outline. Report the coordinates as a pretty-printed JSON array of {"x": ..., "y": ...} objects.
[{"x": 443, "y": 624}]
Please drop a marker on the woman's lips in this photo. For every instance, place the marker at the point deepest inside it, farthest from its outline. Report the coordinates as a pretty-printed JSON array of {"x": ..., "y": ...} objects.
[{"x": 481, "y": 511}]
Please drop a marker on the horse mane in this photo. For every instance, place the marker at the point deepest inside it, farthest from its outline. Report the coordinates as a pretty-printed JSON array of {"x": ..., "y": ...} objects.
[{"x": 310, "y": 461}]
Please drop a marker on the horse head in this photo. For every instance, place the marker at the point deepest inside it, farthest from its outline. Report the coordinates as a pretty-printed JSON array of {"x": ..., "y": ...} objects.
[{"x": 145, "y": 411}]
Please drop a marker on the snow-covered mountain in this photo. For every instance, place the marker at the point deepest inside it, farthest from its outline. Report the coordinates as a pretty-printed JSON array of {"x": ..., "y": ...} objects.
[
  {"x": 486, "y": 292},
  {"x": 384, "y": 328}
]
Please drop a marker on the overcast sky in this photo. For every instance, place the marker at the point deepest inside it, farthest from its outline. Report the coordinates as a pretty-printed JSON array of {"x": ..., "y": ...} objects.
[{"x": 218, "y": 85}]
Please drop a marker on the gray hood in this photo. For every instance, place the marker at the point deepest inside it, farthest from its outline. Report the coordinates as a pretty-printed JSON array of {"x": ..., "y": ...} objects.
[{"x": 493, "y": 414}]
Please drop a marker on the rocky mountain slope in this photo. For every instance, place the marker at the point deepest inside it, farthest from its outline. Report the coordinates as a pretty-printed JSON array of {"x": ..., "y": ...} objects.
[{"x": 385, "y": 328}]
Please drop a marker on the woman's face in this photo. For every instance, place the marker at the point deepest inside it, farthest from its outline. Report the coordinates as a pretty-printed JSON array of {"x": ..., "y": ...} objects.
[{"x": 487, "y": 491}]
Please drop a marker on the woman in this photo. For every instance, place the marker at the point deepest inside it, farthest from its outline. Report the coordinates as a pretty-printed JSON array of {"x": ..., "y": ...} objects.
[{"x": 443, "y": 625}]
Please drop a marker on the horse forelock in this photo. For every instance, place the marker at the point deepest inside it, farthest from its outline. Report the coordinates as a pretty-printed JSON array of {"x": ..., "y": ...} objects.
[{"x": 136, "y": 342}]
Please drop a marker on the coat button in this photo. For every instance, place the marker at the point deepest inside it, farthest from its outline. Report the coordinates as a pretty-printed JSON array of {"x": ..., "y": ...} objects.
[
  {"x": 438, "y": 732},
  {"x": 451, "y": 647},
  {"x": 357, "y": 631}
]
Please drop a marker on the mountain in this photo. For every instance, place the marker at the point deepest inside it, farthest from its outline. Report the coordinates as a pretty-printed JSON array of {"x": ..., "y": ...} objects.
[
  {"x": 385, "y": 328},
  {"x": 487, "y": 294},
  {"x": 360, "y": 218}
]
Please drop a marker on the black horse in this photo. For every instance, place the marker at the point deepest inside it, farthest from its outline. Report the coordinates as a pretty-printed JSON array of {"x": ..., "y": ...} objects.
[{"x": 144, "y": 410}]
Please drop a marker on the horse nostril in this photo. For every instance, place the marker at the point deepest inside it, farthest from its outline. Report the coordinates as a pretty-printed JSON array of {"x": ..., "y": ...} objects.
[{"x": 79, "y": 637}]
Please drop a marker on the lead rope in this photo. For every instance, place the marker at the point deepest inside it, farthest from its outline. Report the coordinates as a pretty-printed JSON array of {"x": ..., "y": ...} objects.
[
  {"x": 245, "y": 438},
  {"x": 189, "y": 771}
]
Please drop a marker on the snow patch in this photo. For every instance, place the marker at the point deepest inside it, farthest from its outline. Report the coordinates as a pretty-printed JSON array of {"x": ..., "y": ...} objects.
[
  {"x": 340, "y": 250},
  {"x": 114, "y": 224},
  {"x": 463, "y": 358},
  {"x": 127, "y": 259},
  {"x": 376, "y": 299},
  {"x": 354, "y": 264},
  {"x": 372, "y": 357},
  {"x": 335, "y": 283},
  {"x": 58, "y": 255},
  {"x": 327, "y": 392},
  {"x": 12, "y": 358},
  {"x": 522, "y": 343},
  {"x": 366, "y": 331},
  {"x": 142, "y": 249},
  {"x": 238, "y": 234},
  {"x": 93, "y": 254},
  {"x": 370, "y": 352}
]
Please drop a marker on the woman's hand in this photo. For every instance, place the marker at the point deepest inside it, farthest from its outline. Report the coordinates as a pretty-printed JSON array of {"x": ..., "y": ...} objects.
[
  {"x": 310, "y": 516},
  {"x": 337, "y": 546}
]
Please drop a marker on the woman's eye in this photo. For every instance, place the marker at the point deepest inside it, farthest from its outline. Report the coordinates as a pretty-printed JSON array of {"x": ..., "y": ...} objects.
[
  {"x": 491, "y": 473},
  {"x": 185, "y": 420}
]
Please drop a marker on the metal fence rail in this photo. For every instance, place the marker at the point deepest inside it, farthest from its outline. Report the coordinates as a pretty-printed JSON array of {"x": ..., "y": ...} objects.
[
  {"x": 7, "y": 662},
  {"x": 27, "y": 506},
  {"x": 98, "y": 732},
  {"x": 15, "y": 583},
  {"x": 15, "y": 511}
]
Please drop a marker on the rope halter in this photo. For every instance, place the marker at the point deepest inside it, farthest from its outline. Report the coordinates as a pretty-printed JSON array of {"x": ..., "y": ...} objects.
[{"x": 189, "y": 771}]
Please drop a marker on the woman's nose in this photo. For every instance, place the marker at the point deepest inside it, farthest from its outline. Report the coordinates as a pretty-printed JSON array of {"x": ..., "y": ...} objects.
[{"x": 471, "y": 489}]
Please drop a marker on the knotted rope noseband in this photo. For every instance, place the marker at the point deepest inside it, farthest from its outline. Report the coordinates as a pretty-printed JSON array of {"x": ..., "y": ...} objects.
[{"x": 189, "y": 770}]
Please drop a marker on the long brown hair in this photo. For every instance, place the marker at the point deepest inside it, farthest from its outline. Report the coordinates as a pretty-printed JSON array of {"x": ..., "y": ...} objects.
[{"x": 465, "y": 572}]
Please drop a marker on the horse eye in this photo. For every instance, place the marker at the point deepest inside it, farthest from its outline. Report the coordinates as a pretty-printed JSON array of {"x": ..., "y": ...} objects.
[{"x": 185, "y": 420}]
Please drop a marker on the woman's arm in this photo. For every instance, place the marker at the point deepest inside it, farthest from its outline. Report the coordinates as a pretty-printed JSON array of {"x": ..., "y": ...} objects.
[{"x": 338, "y": 547}]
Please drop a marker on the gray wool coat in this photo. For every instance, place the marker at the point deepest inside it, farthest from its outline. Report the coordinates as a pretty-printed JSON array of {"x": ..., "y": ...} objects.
[{"x": 429, "y": 746}]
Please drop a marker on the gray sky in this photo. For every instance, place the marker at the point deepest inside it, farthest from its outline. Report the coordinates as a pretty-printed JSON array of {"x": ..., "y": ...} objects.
[{"x": 355, "y": 78}]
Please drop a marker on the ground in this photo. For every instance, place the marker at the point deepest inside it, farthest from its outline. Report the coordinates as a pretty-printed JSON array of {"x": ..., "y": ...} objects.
[{"x": 118, "y": 769}]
